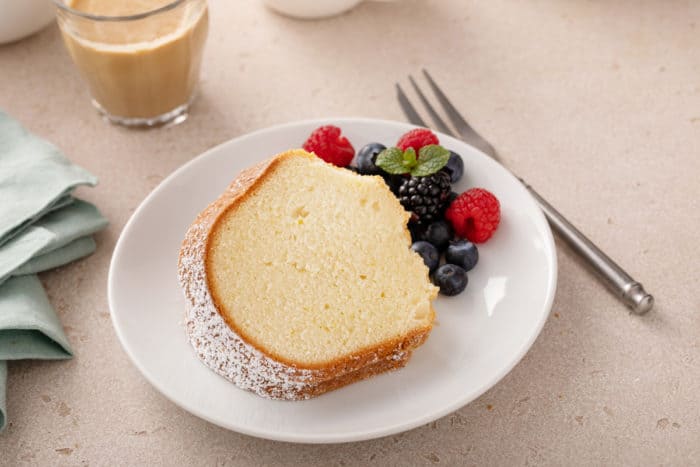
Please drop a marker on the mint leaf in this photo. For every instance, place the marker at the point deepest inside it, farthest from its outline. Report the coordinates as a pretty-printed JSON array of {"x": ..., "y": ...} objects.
[
  {"x": 433, "y": 151},
  {"x": 431, "y": 158},
  {"x": 391, "y": 161}
]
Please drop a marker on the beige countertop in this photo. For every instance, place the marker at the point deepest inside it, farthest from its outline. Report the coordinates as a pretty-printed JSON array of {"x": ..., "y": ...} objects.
[{"x": 596, "y": 103}]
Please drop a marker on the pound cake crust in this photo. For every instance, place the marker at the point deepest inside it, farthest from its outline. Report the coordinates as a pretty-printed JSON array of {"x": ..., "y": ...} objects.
[{"x": 229, "y": 352}]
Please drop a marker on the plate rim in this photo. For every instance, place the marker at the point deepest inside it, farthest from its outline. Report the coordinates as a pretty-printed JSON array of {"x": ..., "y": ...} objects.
[{"x": 345, "y": 437}]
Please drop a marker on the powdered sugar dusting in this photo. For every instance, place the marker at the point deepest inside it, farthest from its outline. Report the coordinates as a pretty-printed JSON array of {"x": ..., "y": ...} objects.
[{"x": 216, "y": 344}]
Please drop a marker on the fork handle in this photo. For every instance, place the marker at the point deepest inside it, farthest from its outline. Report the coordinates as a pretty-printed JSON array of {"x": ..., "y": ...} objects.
[{"x": 631, "y": 292}]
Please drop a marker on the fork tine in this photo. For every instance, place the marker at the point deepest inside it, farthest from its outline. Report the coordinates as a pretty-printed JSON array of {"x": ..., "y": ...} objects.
[
  {"x": 452, "y": 113},
  {"x": 463, "y": 128},
  {"x": 439, "y": 122},
  {"x": 408, "y": 108}
]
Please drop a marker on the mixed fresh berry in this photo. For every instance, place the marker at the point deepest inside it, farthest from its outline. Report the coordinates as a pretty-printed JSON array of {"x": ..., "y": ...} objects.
[
  {"x": 328, "y": 144},
  {"x": 427, "y": 251},
  {"x": 444, "y": 225},
  {"x": 439, "y": 233},
  {"x": 475, "y": 215},
  {"x": 425, "y": 197},
  {"x": 462, "y": 253},
  {"x": 366, "y": 157},
  {"x": 454, "y": 167},
  {"x": 416, "y": 139},
  {"x": 451, "y": 279}
]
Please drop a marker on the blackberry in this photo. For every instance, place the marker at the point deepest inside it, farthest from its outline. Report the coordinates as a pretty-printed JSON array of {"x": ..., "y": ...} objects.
[{"x": 426, "y": 197}]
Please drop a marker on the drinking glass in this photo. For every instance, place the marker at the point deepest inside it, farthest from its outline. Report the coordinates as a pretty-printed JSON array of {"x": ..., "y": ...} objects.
[{"x": 141, "y": 69}]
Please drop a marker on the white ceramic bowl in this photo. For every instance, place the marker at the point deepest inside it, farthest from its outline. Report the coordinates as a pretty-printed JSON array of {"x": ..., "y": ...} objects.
[
  {"x": 22, "y": 18},
  {"x": 310, "y": 9}
]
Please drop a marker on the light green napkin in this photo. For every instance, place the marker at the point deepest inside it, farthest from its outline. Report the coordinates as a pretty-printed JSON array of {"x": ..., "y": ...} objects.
[
  {"x": 29, "y": 328},
  {"x": 41, "y": 227},
  {"x": 76, "y": 249},
  {"x": 34, "y": 178},
  {"x": 3, "y": 384},
  {"x": 42, "y": 243}
]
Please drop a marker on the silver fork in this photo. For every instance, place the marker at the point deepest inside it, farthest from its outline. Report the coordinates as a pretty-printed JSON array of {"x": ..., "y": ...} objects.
[{"x": 628, "y": 290}]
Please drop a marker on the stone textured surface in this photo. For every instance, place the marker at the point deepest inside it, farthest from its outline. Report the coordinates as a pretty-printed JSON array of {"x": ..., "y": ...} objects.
[{"x": 597, "y": 104}]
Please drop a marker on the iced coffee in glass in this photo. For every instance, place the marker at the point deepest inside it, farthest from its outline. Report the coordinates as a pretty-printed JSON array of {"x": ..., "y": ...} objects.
[{"x": 139, "y": 58}]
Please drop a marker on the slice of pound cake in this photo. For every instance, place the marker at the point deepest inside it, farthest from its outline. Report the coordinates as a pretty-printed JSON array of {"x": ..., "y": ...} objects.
[{"x": 300, "y": 279}]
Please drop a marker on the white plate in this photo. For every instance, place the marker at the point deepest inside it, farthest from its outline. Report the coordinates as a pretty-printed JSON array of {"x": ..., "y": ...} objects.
[{"x": 479, "y": 336}]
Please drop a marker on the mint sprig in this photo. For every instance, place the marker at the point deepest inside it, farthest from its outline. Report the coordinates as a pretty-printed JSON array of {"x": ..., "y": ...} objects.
[{"x": 430, "y": 159}]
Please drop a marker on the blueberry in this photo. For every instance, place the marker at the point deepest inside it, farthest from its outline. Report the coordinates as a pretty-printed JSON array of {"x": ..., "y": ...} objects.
[
  {"x": 463, "y": 254},
  {"x": 454, "y": 167},
  {"x": 430, "y": 255},
  {"x": 451, "y": 279},
  {"x": 364, "y": 160},
  {"x": 439, "y": 234}
]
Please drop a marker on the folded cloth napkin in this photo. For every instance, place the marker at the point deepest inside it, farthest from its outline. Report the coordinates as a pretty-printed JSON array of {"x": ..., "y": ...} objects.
[
  {"x": 76, "y": 249},
  {"x": 3, "y": 383},
  {"x": 29, "y": 328},
  {"x": 35, "y": 178},
  {"x": 42, "y": 226},
  {"x": 44, "y": 242}
]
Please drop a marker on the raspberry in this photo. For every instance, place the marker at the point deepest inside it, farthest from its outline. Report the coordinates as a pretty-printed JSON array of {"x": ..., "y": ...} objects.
[
  {"x": 475, "y": 215},
  {"x": 416, "y": 139},
  {"x": 327, "y": 143}
]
